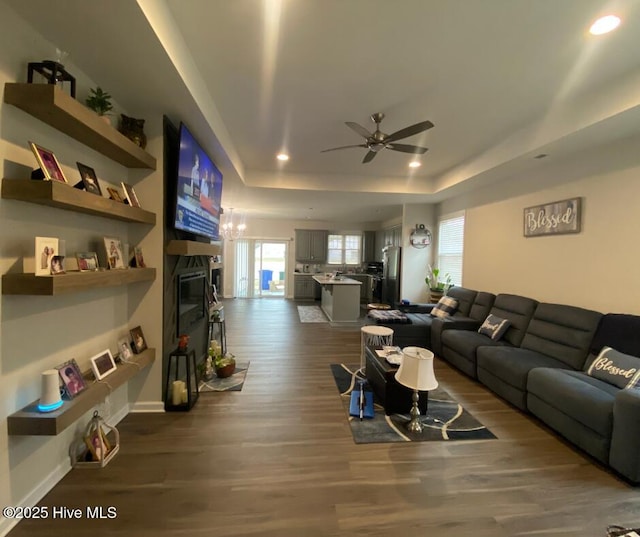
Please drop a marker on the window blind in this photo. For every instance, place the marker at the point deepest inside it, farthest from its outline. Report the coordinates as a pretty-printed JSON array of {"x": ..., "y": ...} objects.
[{"x": 450, "y": 248}]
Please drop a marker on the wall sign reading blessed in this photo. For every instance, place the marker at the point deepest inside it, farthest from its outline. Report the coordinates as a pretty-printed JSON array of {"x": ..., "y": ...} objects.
[{"x": 554, "y": 218}]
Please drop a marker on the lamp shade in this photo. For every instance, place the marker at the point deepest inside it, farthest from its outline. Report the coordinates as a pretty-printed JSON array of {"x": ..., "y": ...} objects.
[{"x": 416, "y": 369}]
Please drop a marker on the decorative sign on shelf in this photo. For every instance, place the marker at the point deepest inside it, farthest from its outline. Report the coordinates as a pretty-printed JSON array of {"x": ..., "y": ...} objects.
[{"x": 556, "y": 218}]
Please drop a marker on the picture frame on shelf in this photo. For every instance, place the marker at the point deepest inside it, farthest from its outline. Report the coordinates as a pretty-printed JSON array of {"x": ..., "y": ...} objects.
[
  {"x": 45, "y": 249},
  {"x": 89, "y": 179},
  {"x": 87, "y": 261},
  {"x": 48, "y": 163},
  {"x": 103, "y": 364},
  {"x": 57, "y": 265},
  {"x": 125, "y": 348},
  {"x": 97, "y": 444},
  {"x": 113, "y": 249},
  {"x": 130, "y": 195},
  {"x": 72, "y": 378},
  {"x": 137, "y": 258},
  {"x": 139, "y": 343},
  {"x": 114, "y": 194}
]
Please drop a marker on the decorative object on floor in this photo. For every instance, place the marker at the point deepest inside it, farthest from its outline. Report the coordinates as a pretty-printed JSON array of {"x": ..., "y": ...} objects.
[
  {"x": 224, "y": 363},
  {"x": 232, "y": 383},
  {"x": 311, "y": 314},
  {"x": 133, "y": 129},
  {"x": 50, "y": 399},
  {"x": 180, "y": 395},
  {"x": 446, "y": 419},
  {"x": 50, "y": 169},
  {"x": 416, "y": 373},
  {"x": 361, "y": 404},
  {"x": 53, "y": 72},
  {"x": 621, "y": 531},
  {"x": 98, "y": 446},
  {"x": 99, "y": 101},
  {"x": 556, "y": 218},
  {"x": 420, "y": 237}
]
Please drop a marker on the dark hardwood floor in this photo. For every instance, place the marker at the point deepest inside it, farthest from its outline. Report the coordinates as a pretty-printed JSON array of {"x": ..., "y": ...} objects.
[{"x": 277, "y": 459}]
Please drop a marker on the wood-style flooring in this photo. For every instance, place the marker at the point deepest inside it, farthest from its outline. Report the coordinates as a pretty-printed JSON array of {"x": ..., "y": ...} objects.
[{"x": 277, "y": 460}]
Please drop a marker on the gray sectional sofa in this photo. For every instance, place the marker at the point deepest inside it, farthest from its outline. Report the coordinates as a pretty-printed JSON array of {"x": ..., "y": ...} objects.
[{"x": 541, "y": 364}]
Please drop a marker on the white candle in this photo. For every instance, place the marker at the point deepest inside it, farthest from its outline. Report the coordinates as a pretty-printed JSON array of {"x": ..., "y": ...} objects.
[{"x": 176, "y": 392}]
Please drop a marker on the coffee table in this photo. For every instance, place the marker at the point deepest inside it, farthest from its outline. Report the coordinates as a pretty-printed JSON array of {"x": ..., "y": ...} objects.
[{"x": 395, "y": 398}]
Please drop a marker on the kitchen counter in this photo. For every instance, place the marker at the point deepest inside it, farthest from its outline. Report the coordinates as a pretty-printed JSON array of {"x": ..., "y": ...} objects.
[{"x": 340, "y": 298}]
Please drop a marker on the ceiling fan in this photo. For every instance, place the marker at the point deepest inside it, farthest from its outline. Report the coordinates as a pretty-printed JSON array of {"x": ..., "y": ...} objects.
[{"x": 378, "y": 140}]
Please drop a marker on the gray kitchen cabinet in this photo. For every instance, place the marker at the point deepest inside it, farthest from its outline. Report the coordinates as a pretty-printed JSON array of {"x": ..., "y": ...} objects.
[
  {"x": 303, "y": 287},
  {"x": 366, "y": 293},
  {"x": 311, "y": 245},
  {"x": 368, "y": 246}
]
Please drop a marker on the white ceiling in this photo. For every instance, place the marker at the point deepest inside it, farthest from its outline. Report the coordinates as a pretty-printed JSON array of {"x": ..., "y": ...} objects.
[{"x": 502, "y": 80}]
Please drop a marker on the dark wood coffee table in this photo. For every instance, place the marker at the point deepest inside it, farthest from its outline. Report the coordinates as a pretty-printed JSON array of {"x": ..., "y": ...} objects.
[{"x": 395, "y": 398}]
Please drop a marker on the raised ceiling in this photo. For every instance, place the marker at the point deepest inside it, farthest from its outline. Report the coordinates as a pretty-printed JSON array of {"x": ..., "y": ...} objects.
[{"x": 502, "y": 80}]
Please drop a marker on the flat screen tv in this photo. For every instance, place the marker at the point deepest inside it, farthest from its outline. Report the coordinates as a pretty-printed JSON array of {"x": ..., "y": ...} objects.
[{"x": 199, "y": 189}]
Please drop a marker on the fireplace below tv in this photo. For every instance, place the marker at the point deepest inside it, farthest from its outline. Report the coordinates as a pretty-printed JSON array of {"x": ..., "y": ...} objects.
[{"x": 191, "y": 300}]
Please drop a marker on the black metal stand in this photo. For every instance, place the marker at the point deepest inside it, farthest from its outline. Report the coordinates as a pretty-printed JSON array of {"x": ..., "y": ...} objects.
[
  {"x": 53, "y": 72},
  {"x": 191, "y": 370},
  {"x": 219, "y": 321}
]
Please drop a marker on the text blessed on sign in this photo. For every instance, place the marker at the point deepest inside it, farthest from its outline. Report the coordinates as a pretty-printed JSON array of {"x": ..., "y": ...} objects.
[{"x": 554, "y": 218}]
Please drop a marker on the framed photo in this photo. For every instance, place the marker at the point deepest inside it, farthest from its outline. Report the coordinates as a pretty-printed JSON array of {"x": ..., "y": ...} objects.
[
  {"x": 102, "y": 364},
  {"x": 89, "y": 179},
  {"x": 97, "y": 444},
  {"x": 125, "y": 352},
  {"x": 71, "y": 378},
  {"x": 57, "y": 264},
  {"x": 138, "y": 258},
  {"x": 555, "y": 218},
  {"x": 113, "y": 247},
  {"x": 131, "y": 195},
  {"x": 48, "y": 163},
  {"x": 139, "y": 343},
  {"x": 87, "y": 261},
  {"x": 114, "y": 194},
  {"x": 46, "y": 249}
]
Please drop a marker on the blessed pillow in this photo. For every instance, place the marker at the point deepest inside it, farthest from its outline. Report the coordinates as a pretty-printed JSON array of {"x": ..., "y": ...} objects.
[
  {"x": 617, "y": 368},
  {"x": 494, "y": 327},
  {"x": 445, "y": 307}
]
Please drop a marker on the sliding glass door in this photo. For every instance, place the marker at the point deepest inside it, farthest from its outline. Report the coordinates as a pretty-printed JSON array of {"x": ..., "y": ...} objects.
[{"x": 260, "y": 268}]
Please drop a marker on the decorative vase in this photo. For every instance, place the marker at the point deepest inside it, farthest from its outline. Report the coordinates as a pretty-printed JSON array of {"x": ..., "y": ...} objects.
[
  {"x": 226, "y": 371},
  {"x": 133, "y": 129},
  {"x": 435, "y": 295}
]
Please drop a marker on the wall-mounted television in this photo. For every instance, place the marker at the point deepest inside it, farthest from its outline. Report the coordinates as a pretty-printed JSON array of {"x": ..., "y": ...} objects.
[{"x": 199, "y": 189}]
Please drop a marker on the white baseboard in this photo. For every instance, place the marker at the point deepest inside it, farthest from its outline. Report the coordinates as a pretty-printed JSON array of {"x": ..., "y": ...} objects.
[
  {"x": 31, "y": 499},
  {"x": 147, "y": 406}
]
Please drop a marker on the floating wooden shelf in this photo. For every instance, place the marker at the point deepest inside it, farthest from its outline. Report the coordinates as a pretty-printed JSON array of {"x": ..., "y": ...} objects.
[
  {"x": 29, "y": 421},
  {"x": 62, "y": 196},
  {"x": 51, "y": 105},
  {"x": 191, "y": 248},
  {"x": 72, "y": 282},
  {"x": 213, "y": 266}
]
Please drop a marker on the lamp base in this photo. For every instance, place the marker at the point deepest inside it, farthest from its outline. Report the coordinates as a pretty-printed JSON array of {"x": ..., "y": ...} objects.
[{"x": 414, "y": 426}]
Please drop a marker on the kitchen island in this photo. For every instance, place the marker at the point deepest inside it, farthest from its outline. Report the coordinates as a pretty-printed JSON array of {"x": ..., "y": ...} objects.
[{"x": 340, "y": 298}]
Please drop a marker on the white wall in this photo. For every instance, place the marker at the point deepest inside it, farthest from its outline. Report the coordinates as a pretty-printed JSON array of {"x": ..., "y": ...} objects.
[
  {"x": 38, "y": 333},
  {"x": 595, "y": 269},
  {"x": 414, "y": 260}
]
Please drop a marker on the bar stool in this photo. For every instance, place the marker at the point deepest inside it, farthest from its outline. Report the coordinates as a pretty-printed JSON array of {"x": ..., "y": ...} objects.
[
  {"x": 374, "y": 335},
  {"x": 174, "y": 360}
]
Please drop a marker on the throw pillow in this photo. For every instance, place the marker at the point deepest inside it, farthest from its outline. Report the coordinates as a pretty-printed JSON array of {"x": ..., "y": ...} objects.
[
  {"x": 617, "y": 368},
  {"x": 494, "y": 327},
  {"x": 445, "y": 307}
]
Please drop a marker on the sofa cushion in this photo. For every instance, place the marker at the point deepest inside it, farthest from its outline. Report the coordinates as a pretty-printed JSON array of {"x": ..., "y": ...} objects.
[
  {"x": 445, "y": 307},
  {"x": 482, "y": 306},
  {"x": 562, "y": 332},
  {"x": 388, "y": 316},
  {"x": 465, "y": 298},
  {"x": 465, "y": 342},
  {"x": 616, "y": 368},
  {"x": 518, "y": 310},
  {"x": 585, "y": 399},
  {"x": 620, "y": 331},
  {"x": 512, "y": 365},
  {"x": 494, "y": 327}
]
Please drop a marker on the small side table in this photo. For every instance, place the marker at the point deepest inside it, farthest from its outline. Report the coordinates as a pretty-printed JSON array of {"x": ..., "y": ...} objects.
[
  {"x": 374, "y": 335},
  {"x": 191, "y": 370}
]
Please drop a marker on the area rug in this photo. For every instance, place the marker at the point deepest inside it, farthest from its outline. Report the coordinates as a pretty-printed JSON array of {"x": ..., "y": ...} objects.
[
  {"x": 233, "y": 383},
  {"x": 311, "y": 314},
  {"x": 446, "y": 419}
]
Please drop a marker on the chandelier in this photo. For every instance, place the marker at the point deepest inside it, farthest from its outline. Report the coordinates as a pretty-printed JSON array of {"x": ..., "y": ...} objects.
[{"x": 231, "y": 231}]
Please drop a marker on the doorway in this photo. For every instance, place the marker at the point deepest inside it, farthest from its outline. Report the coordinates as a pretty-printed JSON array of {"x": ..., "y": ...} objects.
[{"x": 261, "y": 268}]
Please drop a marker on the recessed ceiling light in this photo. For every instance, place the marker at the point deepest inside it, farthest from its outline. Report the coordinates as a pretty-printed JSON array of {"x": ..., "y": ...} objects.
[
  {"x": 283, "y": 157},
  {"x": 414, "y": 164},
  {"x": 604, "y": 25}
]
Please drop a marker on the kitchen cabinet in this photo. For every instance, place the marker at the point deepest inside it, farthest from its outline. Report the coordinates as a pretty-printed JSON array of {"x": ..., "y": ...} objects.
[
  {"x": 366, "y": 293},
  {"x": 311, "y": 245},
  {"x": 304, "y": 287},
  {"x": 368, "y": 246}
]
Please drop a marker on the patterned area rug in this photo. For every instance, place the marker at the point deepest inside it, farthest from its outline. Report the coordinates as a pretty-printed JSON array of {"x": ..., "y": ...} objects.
[
  {"x": 233, "y": 383},
  {"x": 445, "y": 419},
  {"x": 311, "y": 314}
]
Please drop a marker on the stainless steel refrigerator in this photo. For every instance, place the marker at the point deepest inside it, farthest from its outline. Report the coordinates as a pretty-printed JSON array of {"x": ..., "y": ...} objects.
[{"x": 391, "y": 258}]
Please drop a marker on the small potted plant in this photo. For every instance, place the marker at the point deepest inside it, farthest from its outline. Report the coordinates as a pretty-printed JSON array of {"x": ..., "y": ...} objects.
[
  {"x": 225, "y": 365},
  {"x": 437, "y": 287},
  {"x": 100, "y": 102}
]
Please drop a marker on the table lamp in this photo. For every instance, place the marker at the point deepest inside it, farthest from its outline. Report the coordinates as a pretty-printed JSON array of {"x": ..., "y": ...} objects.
[{"x": 416, "y": 373}]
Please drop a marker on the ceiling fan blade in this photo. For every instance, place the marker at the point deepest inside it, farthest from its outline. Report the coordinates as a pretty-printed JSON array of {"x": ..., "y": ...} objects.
[
  {"x": 404, "y": 148},
  {"x": 343, "y": 147},
  {"x": 359, "y": 129},
  {"x": 409, "y": 131},
  {"x": 369, "y": 157}
]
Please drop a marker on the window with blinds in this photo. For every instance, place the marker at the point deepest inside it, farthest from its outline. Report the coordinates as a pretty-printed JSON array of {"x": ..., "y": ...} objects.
[
  {"x": 450, "y": 247},
  {"x": 344, "y": 250}
]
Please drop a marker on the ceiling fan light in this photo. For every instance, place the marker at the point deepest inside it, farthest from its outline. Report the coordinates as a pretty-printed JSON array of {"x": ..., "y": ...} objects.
[
  {"x": 604, "y": 25},
  {"x": 282, "y": 157},
  {"x": 414, "y": 164}
]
